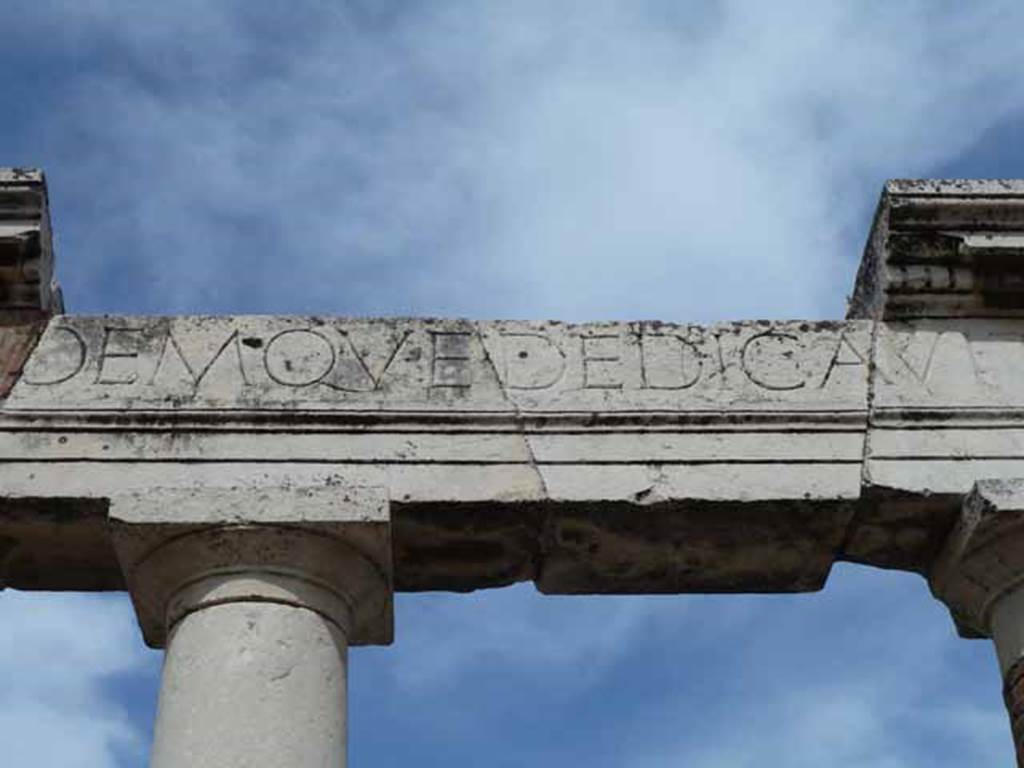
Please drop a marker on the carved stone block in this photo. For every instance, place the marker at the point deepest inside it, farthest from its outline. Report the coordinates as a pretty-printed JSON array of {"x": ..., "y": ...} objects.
[{"x": 26, "y": 246}]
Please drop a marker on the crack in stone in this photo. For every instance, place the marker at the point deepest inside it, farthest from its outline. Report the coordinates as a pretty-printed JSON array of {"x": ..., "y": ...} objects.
[
  {"x": 865, "y": 455},
  {"x": 283, "y": 675},
  {"x": 519, "y": 418}
]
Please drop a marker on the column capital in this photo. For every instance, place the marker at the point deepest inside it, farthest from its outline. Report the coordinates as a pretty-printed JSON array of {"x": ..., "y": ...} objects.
[
  {"x": 979, "y": 575},
  {"x": 325, "y": 548},
  {"x": 983, "y": 557}
]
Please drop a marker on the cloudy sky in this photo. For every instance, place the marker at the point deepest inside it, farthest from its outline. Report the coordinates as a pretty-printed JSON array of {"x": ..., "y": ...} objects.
[{"x": 577, "y": 159}]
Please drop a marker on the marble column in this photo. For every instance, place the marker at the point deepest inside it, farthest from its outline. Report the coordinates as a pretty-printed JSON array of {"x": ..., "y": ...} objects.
[
  {"x": 256, "y": 596},
  {"x": 979, "y": 575}
]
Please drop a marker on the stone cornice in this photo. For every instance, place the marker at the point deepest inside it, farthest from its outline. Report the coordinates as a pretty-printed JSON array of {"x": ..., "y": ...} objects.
[
  {"x": 944, "y": 249},
  {"x": 26, "y": 244}
]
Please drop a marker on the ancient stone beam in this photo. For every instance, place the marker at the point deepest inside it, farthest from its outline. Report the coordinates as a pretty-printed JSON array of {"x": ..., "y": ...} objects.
[{"x": 605, "y": 457}]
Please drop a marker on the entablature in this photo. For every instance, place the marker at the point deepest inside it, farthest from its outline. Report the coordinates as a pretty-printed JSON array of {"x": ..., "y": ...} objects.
[{"x": 594, "y": 457}]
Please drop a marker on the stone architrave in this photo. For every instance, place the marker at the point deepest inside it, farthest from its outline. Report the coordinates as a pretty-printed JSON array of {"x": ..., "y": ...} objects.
[
  {"x": 601, "y": 457},
  {"x": 588, "y": 458}
]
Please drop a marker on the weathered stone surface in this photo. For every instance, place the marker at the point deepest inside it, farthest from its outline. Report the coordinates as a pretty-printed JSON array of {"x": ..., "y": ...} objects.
[
  {"x": 983, "y": 557},
  {"x": 324, "y": 548},
  {"x": 943, "y": 271},
  {"x": 52, "y": 543},
  {"x": 26, "y": 246},
  {"x": 256, "y": 593},
  {"x": 600, "y": 457},
  {"x": 241, "y": 475},
  {"x": 979, "y": 575},
  {"x": 450, "y": 366},
  {"x": 1013, "y": 696},
  {"x": 478, "y": 421},
  {"x": 19, "y": 333},
  {"x": 944, "y": 249},
  {"x": 671, "y": 547},
  {"x": 946, "y": 410},
  {"x": 253, "y": 684},
  {"x": 643, "y": 426}
]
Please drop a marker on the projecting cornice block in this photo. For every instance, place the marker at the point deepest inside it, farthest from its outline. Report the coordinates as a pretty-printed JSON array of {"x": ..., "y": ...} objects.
[
  {"x": 26, "y": 244},
  {"x": 944, "y": 249}
]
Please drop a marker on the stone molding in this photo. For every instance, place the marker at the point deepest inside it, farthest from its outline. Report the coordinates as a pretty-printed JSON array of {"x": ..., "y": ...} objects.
[
  {"x": 944, "y": 249},
  {"x": 26, "y": 245},
  {"x": 324, "y": 548}
]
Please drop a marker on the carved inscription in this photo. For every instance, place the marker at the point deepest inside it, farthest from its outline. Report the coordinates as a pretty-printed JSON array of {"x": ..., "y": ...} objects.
[
  {"x": 536, "y": 363},
  {"x": 777, "y": 352},
  {"x": 669, "y": 361},
  {"x": 928, "y": 363},
  {"x": 256, "y": 362},
  {"x": 65, "y": 353}
]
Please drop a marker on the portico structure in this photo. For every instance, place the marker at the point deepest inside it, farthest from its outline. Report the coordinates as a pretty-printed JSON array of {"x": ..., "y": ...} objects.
[{"x": 262, "y": 485}]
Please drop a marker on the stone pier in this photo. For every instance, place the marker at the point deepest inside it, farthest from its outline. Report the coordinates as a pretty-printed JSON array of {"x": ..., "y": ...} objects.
[{"x": 261, "y": 485}]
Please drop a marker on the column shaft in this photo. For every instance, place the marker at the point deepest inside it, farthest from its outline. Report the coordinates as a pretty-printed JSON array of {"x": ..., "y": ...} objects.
[
  {"x": 259, "y": 685},
  {"x": 1008, "y": 635},
  {"x": 256, "y": 594},
  {"x": 1013, "y": 696}
]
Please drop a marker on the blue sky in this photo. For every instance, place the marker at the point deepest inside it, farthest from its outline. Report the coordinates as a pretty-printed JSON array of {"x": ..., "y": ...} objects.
[{"x": 577, "y": 159}]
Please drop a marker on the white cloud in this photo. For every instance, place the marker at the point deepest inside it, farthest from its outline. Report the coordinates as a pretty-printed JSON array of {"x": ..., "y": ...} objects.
[
  {"x": 584, "y": 160},
  {"x": 868, "y": 673},
  {"x": 644, "y": 174},
  {"x": 575, "y": 639},
  {"x": 58, "y": 652},
  {"x": 851, "y": 724}
]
